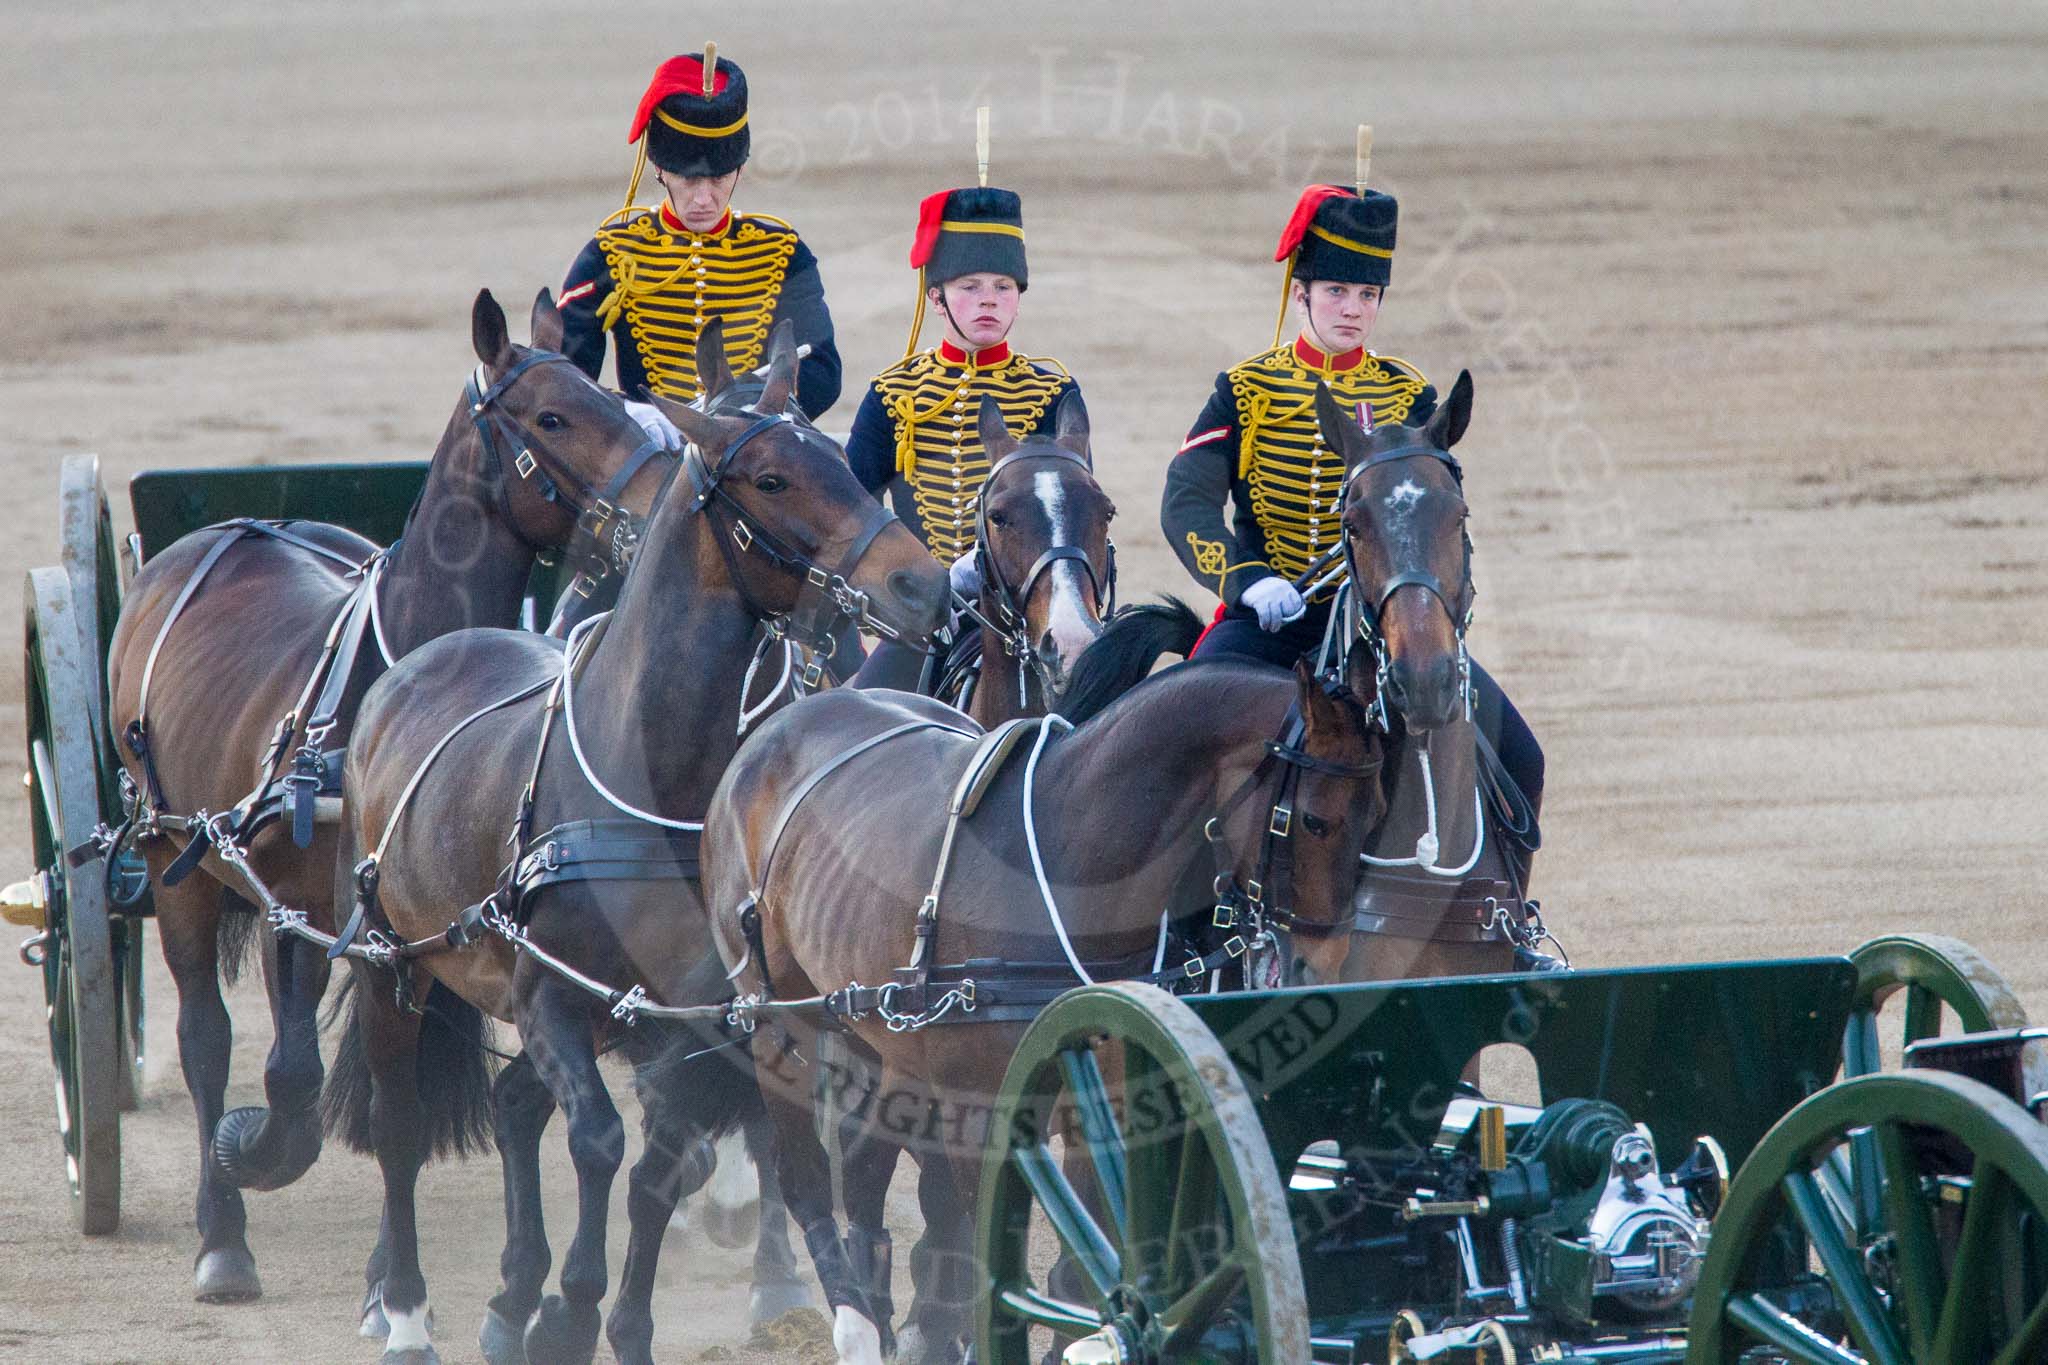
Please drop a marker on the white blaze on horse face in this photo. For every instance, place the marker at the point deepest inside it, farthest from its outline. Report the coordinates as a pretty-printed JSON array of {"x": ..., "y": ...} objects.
[
  {"x": 1071, "y": 625},
  {"x": 1404, "y": 496}
]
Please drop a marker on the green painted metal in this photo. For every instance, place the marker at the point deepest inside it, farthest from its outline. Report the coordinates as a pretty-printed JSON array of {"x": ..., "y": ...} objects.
[
  {"x": 79, "y": 971},
  {"x": 1137, "y": 1085},
  {"x": 1927, "y": 1286},
  {"x": 1934, "y": 971},
  {"x": 371, "y": 499}
]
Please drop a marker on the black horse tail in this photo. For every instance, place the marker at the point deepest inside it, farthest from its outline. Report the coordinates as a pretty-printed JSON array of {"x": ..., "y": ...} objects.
[
  {"x": 1124, "y": 653},
  {"x": 235, "y": 932},
  {"x": 454, "y": 1058}
]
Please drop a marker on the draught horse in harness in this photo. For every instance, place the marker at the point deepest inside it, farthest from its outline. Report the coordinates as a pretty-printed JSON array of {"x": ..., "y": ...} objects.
[
  {"x": 235, "y": 671},
  {"x": 598, "y": 757}
]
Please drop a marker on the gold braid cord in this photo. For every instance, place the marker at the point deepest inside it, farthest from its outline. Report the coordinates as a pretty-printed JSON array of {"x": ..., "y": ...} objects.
[
  {"x": 937, "y": 408},
  {"x": 668, "y": 285},
  {"x": 1295, "y": 479}
]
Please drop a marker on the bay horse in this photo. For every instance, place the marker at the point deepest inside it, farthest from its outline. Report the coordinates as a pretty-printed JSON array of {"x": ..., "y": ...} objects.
[
  {"x": 1443, "y": 890},
  {"x": 1196, "y": 784},
  {"x": 640, "y": 718},
  {"x": 1046, "y": 564},
  {"x": 208, "y": 673}
]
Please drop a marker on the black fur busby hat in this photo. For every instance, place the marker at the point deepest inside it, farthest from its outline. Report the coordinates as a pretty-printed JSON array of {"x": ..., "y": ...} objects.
[
  {"x": 694, "y": 119},
  {"x": 960, "y": 232},
  {"x": 1339, "y": 234}
]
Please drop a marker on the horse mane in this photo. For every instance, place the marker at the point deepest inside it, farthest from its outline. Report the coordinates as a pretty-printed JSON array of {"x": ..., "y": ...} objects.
[{"x": 1122, "y": 656}]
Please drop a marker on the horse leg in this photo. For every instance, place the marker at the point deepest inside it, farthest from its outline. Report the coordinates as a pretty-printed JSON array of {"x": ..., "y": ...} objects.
[
  {"x": 522, "y": 1107},
  {"x": 942, "y": 1268},
  {"x": 267, "y": 1149},
  {"x": 387, "y": 1037},
  {"x": 684, "y": 1102},
  {"x": 779, "y": 1286},
  {"x": 189, "y": 922},
  {"x": 557, "y": 1030},
  {"x": 806, "y": 1177},
  {"x": 868, "y": 1160}
]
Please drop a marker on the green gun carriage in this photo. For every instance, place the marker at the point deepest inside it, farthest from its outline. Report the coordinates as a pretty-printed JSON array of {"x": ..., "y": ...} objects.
[
  {"x": 88, "y": 919},
  {"x": 1306, "y": 1175}
]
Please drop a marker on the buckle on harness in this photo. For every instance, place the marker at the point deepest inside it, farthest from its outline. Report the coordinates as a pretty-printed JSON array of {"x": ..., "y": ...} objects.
[
  {"x": 1193, "y": 968},
  {"x": 1235, "y": 947},
  {"x": 525, "y": 464},
  {"x": 814, "y": 672},
  {"x": 818, "y": 577},
  {"x": 1225, "y": 916},
  {"x": 742, "y": 537},
  {"x": 1282, "y": 821},
  {"x": 1255, "y": 893}
]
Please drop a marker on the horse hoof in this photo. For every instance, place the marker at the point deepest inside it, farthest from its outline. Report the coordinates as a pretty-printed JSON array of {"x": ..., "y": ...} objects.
[
  {"x": 411, "y": 1355},
  {"x": 502, "y": 1340},
  {"x": 226, "y": 1275},
  {"x": 375, "y": 1323},
  {"x": 562, "y": 1333},
  {"x": 773, "y": 1301},
  {"x": 732, "y": 1226}
]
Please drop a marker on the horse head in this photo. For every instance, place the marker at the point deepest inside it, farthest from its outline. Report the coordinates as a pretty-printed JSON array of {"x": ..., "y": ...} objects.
[
  {"x": 1048, "y": 569},
  {"x": 800, "y": 538},
  {"x": 1409, "y": 555},
  {"x": 558, "y": 456}
]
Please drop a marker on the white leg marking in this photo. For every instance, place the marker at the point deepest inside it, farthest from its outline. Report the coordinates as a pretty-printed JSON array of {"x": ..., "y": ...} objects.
[
  {"x": 734, "y": 1183},
  {"x": 855, "y": 1338},
  {"x": 409, "y": 1330},
  {"x": 1069, "y": 622}
]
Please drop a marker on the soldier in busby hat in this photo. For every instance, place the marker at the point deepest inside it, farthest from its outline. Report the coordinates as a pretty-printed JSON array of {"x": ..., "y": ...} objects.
[
  {"x": 915, "y": 433},
  {"x": 1258, "y": 447},
  {"x": 652, "y": 278}
]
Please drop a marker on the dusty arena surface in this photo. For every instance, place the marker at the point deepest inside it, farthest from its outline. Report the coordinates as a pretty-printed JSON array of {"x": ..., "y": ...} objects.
[{"x": 1758, "y": 318}]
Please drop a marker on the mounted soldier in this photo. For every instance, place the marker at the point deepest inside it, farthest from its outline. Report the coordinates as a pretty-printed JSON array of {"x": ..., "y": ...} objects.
[
  {"x": 917, "y": 433},
  {"x": 653, "y": 278},
  {"x": 1258, "y": 447}
]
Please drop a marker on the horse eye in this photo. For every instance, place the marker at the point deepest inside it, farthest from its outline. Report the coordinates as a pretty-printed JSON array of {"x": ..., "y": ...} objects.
[
  {"x": 771, "y": 483},
  {"x": 548, "y": 421},
  {"x": 998, "y": 519},
  {"x": 1316, "y": 825}
]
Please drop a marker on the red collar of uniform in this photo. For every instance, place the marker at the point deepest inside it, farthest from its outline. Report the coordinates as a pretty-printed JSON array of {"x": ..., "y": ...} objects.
[
  {"x": 675, "y": 224},
  {"x": 1316, "y": 359},
  {"x": 982, "y": 359}
]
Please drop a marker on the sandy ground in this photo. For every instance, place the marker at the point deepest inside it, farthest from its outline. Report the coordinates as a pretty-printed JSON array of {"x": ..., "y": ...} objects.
[{"x": 1758, "y": 317}]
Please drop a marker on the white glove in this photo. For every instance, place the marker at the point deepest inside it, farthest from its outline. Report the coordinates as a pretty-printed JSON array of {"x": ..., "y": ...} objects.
[
  {"x": 1275, "y": 600},
  {"x": 966, "y": 575},
  {"x": 655, "y": 424}
]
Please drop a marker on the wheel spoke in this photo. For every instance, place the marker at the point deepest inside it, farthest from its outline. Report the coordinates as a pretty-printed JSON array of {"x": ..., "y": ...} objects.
[
  {"x": 2026, "y": 1343},
  {"x": 1872, "y": 1330},
  {"x": 1042, "y": 1310},
  {"x": 1963, "y": 1311},
  {"x": 1153, "y": 1143},
  {"x": 1195, "y": 1205},
  {"x": 1193, "y": 1313},
  {"x": 1837, "y": 1177},
  {"x": 1917, "y": 1283},
  {"x": 1773, "y": 1326},
  {"x": 1070, "y": 1218},
  {"x": 1923, "y": 1014},
  {"x": 1105, "y": 1141},
  {"x": 1860, "y": 1052}
]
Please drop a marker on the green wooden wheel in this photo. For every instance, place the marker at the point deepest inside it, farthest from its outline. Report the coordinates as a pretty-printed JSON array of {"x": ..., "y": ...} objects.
[
  {"x": 1935, "y": 972},
  {"x": 85, "y": 532},
  {"x": 1182, "y": 1238},
  {"x": 79, "y": 971},
  {"x": 1955, "y": 1271}
]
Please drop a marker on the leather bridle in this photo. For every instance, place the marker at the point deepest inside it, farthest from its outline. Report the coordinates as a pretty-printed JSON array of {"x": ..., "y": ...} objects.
[
  {"x": 826, "y": 599},
  {"x": 605, "y": 537},
  {"x": 1366, "y": 608},
  {"x": 1007, "y": 619}
]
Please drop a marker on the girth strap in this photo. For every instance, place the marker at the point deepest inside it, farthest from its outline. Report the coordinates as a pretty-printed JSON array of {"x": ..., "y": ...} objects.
[{"x": 607, "y": 850}]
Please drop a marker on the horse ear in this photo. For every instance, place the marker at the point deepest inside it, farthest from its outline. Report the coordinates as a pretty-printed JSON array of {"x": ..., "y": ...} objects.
[
  {"x": 487, "y": 331},
  {"x": 996, "y": 440},
  {"x": 781, "y": 380},
  {"x": 1340, "y": 429},
  {"x": 699, "y": 429},
  {"x": 545, "y": 328},
  {"x": 1446, "y": 426},
  {"x": 714, "y": 367},
  {"x": 1321, "y": 708},
  {"x": 1070, "y": 425}
]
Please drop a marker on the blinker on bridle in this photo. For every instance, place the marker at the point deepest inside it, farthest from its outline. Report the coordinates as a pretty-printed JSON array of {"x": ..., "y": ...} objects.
[{"x": 1367, "y": 625}]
